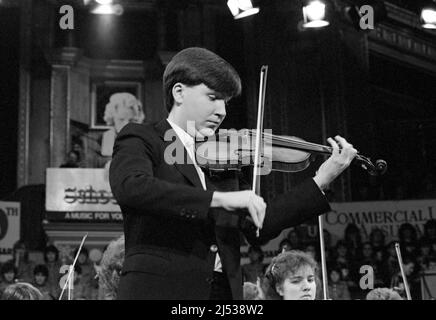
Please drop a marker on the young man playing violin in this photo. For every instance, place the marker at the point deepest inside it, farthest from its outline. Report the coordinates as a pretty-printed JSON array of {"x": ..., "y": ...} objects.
[{"x": 182, "y": 228}]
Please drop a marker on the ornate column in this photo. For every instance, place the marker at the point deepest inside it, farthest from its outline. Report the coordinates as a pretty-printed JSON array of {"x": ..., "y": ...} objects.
[{"x": 24, "y": 99}]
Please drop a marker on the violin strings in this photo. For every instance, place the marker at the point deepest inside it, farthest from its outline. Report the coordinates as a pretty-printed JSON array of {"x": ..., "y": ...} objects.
[{"x": 297, "y": 143}]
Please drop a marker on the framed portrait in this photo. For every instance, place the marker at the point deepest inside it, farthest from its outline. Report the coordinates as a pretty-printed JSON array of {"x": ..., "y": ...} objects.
[{"x": 101, "y": 92}]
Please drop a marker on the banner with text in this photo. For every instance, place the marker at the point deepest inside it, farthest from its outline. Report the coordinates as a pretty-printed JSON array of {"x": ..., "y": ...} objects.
[
  {"x": 79, "y": 190},
  {"x": 385, "y": 215},
  {"x": 9, "y": 228}
]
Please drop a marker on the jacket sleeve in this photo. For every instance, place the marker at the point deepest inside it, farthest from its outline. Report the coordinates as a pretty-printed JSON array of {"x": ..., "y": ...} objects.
[
  {"x": 303, "y": 203},
  {"x": 135, "y": 185}
]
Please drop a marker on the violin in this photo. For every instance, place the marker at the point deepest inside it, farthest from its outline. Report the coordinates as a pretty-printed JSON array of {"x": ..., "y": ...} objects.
[{"x": 231, "y": 150}]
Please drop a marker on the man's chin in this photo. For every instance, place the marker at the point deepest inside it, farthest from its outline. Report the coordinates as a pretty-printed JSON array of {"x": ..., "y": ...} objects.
[{"x": 205, "y": 132}]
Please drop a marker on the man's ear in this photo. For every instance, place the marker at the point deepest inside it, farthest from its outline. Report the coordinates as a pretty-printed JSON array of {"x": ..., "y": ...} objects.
[
  {"x": 279, "y": 289},
  {"x": 178, "y": 93}
]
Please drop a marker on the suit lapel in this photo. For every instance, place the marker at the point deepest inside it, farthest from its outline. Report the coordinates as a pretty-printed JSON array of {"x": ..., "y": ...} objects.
[{"x": 186, "y": 169}]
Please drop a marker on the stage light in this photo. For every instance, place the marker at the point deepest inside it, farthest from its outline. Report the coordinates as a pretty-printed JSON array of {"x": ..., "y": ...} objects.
[
  {"x": 115, "y": 9},
  {"x": 103, "y": 2},
  {"x": 314, "y": 15},
  {"x": 428, "y": 16},
  {"x": 241, "y": 8}
]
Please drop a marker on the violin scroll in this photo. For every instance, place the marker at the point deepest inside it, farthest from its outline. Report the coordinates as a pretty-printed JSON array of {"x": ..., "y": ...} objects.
[{"x": 378, "y": 169}]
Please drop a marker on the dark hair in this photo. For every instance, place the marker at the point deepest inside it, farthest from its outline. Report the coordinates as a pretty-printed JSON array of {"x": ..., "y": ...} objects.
[
  {"x": 341, "y": 243},
  {"x": 76, "y": 153},
  {"x": 78, "y": 269},
  {"x": 82, "y": 251},
  {"x": 336, "y": 269},
  {"x": 194, "y": 66},
  {"x": 374, "y": 232},
  {"x": 281, "y": 267},
  {"x": 285, "y": 241},
  {"x": 430, "y": 224},
  {"x": 349, "y": 230},
  {"x": 40, "y": 268},
  {"x": 402, "y": 230},
  {"x": 51, "y": 248},
  {"x": 20, "y": 244},
  {"x": 8, "y": 267},
  {"x": 258, "y": 250},
  {"x": 21, "y": 291}
]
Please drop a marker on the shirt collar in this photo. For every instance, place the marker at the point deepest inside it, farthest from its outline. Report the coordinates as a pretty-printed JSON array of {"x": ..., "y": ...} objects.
[{"x": 186, "y": 139}]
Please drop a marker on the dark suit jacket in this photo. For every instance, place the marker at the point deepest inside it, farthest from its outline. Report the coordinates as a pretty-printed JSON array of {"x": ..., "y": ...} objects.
[{"x": 171, "y": 234}]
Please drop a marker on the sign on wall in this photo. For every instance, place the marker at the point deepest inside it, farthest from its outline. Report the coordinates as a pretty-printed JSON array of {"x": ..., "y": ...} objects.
[
  {"x": 367, "y": 216},
  {"x": 9, "y": 228},
  {"x": 385, "y": 215},
  {"x": 79, "y": 190}
]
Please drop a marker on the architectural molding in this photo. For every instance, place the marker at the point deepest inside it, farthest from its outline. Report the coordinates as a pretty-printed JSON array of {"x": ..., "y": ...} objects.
[
  {"x": 412, "y": 45},
  {"x": 71, "y": 233},
  {"x": 24, "y": 92}
]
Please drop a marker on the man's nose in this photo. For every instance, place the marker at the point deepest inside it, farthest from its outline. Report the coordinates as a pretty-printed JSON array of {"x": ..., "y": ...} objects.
[{"x": 220, "y": 109}]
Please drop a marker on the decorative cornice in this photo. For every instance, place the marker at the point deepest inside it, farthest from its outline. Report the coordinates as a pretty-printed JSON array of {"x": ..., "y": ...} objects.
[
  {"x": 407, "y": 42},
  {"x": 406, "y": 17}
]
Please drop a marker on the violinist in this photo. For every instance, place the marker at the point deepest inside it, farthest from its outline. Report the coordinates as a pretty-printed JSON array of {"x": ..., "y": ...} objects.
[{"x": 182, "y": 226}]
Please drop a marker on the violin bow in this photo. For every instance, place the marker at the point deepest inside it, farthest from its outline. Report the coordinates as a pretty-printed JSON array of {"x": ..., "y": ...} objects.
[
  {"x": 323, "y": 260},
  {"x": 259, "y": 129},
  {"x": 71, "y": 271},
  {"x": 403, "y": 274}
]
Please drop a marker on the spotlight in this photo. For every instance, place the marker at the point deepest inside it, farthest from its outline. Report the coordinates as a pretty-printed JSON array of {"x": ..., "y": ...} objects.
[
  {"x": 104, "y": 2},
  {"x": 241, "y": 8},
  {"x": 115, "y": 9},
  {"x": 314, "y": 15},
  {"x": 428, "y": 16}
]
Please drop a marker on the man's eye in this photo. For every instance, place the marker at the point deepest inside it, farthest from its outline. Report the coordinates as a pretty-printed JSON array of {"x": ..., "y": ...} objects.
[{"x": 212, "y": 97}]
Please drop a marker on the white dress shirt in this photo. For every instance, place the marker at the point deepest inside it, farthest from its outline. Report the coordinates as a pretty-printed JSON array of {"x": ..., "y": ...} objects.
[{"x": 189, "y": 143}]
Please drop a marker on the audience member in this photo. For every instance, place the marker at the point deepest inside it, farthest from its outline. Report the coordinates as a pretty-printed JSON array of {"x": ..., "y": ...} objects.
[
  {"x": 110, "y": 268},
  {"x": 284, "y": 245},
  {"x": 88, "y": 273},
  {"x": 291, "y": 275},
  {"x": 8, "y": 275},
  {"x": 252, "y": 291},
  {"x": 73, "y": 160},
  {"x": 40, "y": 282},
  {"x": 22, "y": 262},
  {"x": 383, "y": 294},
  {"x": 338, "y": 289},
  {"x": 295, "y": 239},
  {"x": 255, "y": 268},
  {"x": 53, "y": 264},
  {"x": 353, "y": 240},
  {"x": 21, "y": 291},
  {"x": 397, "y": 281}
]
